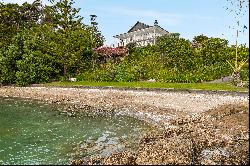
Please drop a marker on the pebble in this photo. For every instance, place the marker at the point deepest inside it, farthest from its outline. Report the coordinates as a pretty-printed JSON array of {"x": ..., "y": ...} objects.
[{"x": 192, "y": 120}]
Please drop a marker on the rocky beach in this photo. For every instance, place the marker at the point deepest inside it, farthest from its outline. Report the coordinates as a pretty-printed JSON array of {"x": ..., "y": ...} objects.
[{"x": 194, "y": 127}]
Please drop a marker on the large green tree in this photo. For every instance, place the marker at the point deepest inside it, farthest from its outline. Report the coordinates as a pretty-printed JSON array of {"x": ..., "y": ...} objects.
[
  {"x": 39, "y": 43},
  {"x": 64, "y": 16},
  {"x": 74, "y": 38},
  {"x": 29, "y": 57},
  {"x": 14, "y": 18}
]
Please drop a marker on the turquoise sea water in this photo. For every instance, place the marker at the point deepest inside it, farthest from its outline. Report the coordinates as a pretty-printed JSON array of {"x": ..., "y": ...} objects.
[{"x": 36, "y": 133}]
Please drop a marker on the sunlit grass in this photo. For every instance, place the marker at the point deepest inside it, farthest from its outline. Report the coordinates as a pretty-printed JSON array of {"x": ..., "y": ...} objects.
[{"x": 201, "y": 86}]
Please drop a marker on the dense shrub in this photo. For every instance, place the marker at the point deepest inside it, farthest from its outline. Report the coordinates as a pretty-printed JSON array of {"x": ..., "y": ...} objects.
[
  {"x": 176, "y": 53},
  {"x": 110, "y": 51},
  {"x": 173, "y": 59},
  {"x": 34, "y": 67},
  {"x": 104, "y": 72},
  {"x": 29, "y": 59},
  {"x": 8, "y": 68}
]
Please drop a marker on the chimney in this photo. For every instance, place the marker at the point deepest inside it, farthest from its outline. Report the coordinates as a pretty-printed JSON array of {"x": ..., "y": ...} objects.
[{"x": 155, "y": 23}]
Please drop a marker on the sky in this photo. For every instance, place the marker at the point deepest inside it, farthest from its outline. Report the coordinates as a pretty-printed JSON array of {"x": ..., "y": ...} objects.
[{"x": 190, "y": 18}]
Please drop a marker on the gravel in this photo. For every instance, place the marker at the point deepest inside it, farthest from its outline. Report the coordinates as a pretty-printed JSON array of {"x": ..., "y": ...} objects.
[
  {"x": 193, "y": 127},
  {"x": 154, "y": 106}
]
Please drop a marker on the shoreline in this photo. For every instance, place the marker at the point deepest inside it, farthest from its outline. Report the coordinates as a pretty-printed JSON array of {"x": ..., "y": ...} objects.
[
  {"x": 157, "y": 106},
  {"x": 195, "y": 128},
  {"x": 199, "y": 91}
]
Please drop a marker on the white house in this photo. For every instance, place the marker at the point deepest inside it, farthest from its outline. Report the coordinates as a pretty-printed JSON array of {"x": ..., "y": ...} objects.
[{"x": 141, "y": 34}]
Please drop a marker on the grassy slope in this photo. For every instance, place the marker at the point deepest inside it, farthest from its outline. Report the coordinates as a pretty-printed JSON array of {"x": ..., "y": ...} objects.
[{"x": 203, "y": 86}]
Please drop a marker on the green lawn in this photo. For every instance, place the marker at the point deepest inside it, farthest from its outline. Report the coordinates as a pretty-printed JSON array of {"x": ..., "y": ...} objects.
[{"x": 202, "y": 86}]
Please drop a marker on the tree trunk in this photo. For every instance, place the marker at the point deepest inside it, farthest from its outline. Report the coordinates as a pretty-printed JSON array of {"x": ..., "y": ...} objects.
[
  {"x": 236, "y": 79},
  {"x": 65, "y": 71}
]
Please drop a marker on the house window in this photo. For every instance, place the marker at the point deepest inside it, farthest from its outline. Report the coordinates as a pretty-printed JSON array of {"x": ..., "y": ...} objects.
[{"x": 131, "y": 39}]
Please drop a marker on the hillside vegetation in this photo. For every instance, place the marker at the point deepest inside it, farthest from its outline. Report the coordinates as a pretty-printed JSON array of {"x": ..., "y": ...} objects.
[{"x": 40, "y": 44}]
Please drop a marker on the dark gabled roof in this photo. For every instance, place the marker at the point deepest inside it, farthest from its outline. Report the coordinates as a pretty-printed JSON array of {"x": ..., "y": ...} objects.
[
  {"x": 162, "y": 28},
  {"x": 138, "y": 26}
]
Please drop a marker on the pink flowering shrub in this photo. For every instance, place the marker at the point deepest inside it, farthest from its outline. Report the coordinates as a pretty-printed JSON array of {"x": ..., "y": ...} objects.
[{"x": 111, "y": 52}]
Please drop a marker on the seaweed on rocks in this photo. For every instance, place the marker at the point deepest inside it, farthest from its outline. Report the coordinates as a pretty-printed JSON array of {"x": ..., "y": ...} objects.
[{"x": 216, "y": 137}]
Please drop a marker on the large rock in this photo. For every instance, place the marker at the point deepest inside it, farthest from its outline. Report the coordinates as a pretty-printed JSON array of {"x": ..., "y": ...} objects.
[
  {"x": 222, "y": 79},
  {"x": 175, "y": 150}
]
